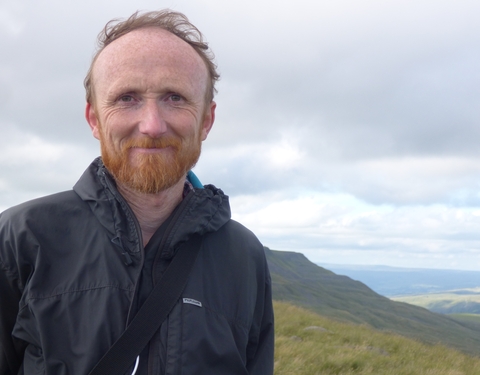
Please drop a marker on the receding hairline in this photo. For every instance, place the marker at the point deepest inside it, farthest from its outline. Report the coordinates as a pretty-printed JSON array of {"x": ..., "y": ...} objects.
[
  {"x": 169, "y": 38},
  {"x": 199, "y": 59},
  {"x": 173, "y": 22}
]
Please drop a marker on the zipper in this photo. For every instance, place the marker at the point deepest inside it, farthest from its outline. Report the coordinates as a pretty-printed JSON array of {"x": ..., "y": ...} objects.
[
  {"x": 126, "y": 255},
  {"x": 119, "y": 197},
  {"x": 177, "y": 215}
]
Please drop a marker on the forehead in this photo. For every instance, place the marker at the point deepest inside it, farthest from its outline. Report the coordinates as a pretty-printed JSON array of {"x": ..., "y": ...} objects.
[{"x": 150, "y": 54}]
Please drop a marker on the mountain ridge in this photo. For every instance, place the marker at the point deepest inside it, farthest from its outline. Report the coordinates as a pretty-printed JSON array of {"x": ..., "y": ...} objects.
[{"x": 297, "y": 280}]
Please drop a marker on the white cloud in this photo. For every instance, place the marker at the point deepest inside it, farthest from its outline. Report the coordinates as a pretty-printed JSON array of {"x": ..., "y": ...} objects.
[
  {"x": 285, "y": 154},
  {"x": 414, "y": 180},
  {"x": 10, "y": 22},
  {"x": 32, "y": 166},
  {"x": 286, "y": 165},
  {"x": 327, "y": 227},
  {"x": 22, "y": 148}
]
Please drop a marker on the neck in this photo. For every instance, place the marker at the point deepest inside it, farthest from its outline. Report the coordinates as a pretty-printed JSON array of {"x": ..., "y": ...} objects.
[{"x": 151, "y": 210}]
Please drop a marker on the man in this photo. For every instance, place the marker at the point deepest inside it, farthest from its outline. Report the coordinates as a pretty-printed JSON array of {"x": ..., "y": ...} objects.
[{"x": 75, "y": 267}]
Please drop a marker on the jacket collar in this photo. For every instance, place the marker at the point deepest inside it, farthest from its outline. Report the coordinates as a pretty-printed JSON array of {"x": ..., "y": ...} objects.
[{"x": 205, "y": 210}]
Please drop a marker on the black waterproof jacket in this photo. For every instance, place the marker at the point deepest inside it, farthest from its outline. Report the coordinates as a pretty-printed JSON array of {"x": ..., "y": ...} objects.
[{"x": 70, "y": 265}]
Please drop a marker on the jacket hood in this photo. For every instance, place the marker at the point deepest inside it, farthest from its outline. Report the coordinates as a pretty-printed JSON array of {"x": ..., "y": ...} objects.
[{"x": 201, "y": 211}]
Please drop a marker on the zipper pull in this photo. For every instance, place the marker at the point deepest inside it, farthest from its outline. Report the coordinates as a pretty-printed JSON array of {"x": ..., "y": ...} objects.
[{"x": 128, "y": 259}]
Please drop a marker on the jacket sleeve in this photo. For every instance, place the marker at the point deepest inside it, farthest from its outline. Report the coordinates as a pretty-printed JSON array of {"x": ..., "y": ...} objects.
[
  {"x": 11, "y": 349},
  {"x": 261, "y": 353}
]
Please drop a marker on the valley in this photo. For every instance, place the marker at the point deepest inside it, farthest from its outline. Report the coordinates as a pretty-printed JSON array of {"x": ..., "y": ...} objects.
[{"x": 298, "y": 281}]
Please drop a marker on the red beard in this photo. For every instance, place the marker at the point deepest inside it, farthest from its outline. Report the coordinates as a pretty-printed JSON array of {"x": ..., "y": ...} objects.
[{"x": 155, "y": 172}]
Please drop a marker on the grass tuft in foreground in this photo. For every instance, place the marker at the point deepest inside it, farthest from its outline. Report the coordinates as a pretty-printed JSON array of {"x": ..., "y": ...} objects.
[{"x": 309, "y": 344}]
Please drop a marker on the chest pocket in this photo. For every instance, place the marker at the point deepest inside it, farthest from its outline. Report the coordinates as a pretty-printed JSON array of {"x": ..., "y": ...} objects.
[{"x": 198, "y": 340}]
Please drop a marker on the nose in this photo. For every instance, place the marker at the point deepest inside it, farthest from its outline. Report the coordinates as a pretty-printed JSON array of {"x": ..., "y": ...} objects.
[{"x": 152, "y": 122}]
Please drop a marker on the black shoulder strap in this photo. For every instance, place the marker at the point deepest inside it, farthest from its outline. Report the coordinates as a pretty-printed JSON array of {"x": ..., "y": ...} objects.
[{"x": 153, "y": 312}]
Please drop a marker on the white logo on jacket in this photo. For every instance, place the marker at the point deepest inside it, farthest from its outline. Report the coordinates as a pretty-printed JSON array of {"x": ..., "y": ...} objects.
[{"x": 192, "y": 301}]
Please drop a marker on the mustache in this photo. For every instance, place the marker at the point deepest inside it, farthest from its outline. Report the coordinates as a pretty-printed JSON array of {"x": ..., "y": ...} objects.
[{"x": 163, "y": 142}]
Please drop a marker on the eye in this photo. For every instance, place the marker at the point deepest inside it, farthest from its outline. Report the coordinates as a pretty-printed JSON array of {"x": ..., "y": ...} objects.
[
  {"x": 175, "y": 98},
  {"x": 125, "y": 98}
]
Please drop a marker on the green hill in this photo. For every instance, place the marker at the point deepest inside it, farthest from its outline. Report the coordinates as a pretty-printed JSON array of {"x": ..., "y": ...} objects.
[
  {"x": 297, "y": 280},
  {"x": 309, "y": 344}
]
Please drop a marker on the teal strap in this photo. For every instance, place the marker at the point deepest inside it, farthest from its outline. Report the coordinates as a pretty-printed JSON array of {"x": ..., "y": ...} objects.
[{"x": 193, "y": 179}]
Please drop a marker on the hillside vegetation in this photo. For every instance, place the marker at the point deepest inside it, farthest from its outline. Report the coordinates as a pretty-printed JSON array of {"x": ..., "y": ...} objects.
[
  {"x": 297, "y": 280},
  {"x": 309, "y": 344}
]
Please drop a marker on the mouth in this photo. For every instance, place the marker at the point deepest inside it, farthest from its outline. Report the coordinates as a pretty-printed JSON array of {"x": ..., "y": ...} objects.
[
  {"x": 150, "y": 150},
  {"x": 146, "y": 146}
]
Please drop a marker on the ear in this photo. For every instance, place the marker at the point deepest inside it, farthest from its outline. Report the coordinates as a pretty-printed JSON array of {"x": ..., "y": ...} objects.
[
  {"x": 92, "y": 120},
  {"x": 208, "y": 120}
]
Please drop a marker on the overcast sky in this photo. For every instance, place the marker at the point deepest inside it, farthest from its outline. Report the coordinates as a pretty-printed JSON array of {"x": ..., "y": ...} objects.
[{"x": 346, "y": 130}]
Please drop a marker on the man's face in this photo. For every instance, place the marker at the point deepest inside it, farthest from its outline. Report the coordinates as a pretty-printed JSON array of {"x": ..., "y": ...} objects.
[{"x": 149, "y": 109}]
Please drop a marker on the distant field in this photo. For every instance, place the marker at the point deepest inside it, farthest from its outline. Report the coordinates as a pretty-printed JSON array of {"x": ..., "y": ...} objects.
[
  {"x": 471, "y": 319},
  {"x": 309, "y": 344},
  {"x": 394, "y": 281},
  {"x": 461, "y": 301}
]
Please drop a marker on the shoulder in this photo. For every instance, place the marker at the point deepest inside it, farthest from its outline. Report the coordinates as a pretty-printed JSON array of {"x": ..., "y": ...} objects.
[
  {"x": 23, "y": 226},
  {"x": 236, "y": 232},
  {"x": 236, "y": 244},
  {"x": 240, "y": 232},
  {"x": 24, "y": 223},
  {"x": 40, "y": 207}
]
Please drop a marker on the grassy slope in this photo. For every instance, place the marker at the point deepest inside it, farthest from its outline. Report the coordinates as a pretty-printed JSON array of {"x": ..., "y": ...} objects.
[
  {"x": 342, "y": 348},
  {"x": 297, "y": 280}
]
